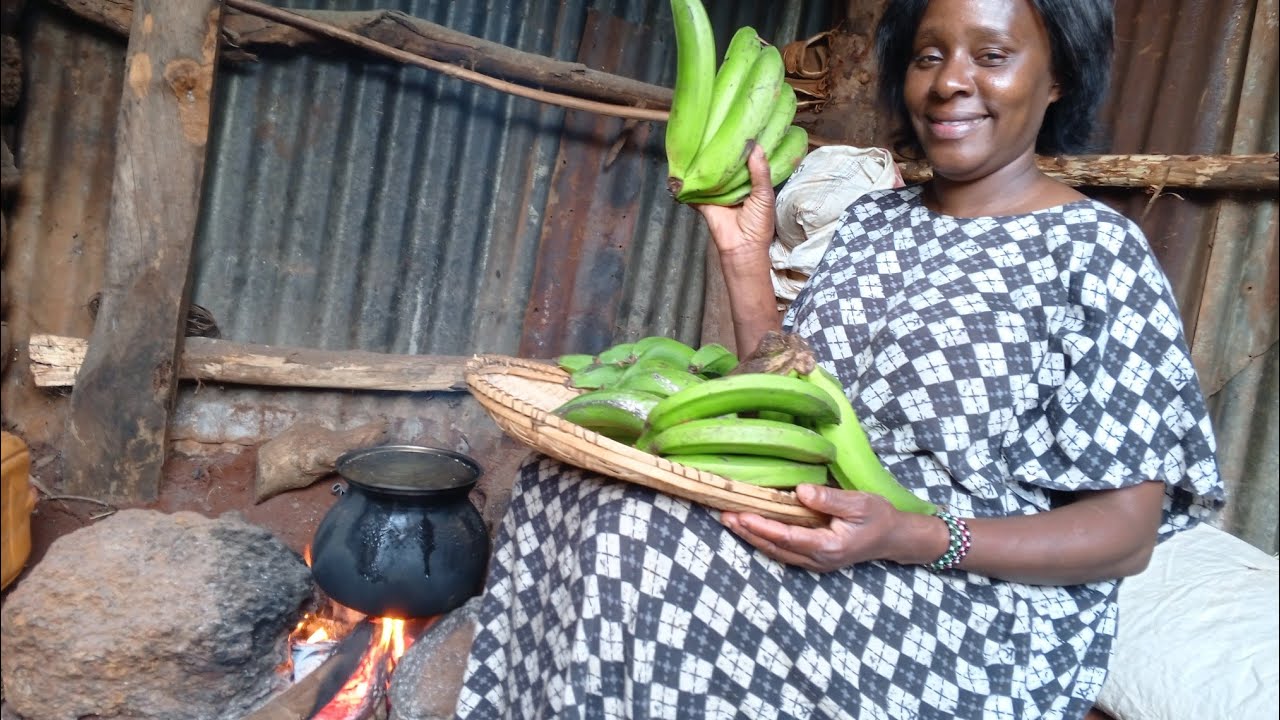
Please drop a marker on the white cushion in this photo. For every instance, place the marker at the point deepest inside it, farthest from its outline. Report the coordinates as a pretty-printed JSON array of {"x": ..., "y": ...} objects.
[{"x": 1199, "y": 633}]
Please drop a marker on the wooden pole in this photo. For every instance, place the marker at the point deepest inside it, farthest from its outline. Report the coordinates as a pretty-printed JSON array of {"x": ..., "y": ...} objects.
[
  {"x": 56, "y": 362},
  {"x": 1158, "y": 172},
  {"x": 119, "y": 414}
]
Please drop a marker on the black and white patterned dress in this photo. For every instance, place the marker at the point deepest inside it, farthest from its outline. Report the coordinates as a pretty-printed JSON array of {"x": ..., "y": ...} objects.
[{"x": 997, "y": 364}]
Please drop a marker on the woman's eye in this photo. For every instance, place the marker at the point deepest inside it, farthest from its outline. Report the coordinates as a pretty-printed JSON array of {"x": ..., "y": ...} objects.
[
  {"x": 926, "y": 59},
  {"x": 992, "y": 58}
]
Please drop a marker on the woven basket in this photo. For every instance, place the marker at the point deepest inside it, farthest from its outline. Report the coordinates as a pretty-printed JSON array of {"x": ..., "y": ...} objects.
[{"x": 520, "y": 394}]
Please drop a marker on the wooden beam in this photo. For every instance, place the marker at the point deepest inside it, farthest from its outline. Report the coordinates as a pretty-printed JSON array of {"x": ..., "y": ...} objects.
[
  {"x": 1158, "y": 172},
  {"x": 56, "y": 360},
  {"x": 119, "y": 411}
]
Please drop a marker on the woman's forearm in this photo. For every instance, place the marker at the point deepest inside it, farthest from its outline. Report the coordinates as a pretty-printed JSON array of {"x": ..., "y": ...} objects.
[
  {"x": 1102, "y": 535},
  {"x": 752, "y": 304}
]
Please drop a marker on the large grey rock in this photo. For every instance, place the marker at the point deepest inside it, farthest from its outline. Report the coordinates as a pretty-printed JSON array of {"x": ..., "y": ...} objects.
[
  {"x": 153, "y": 615},
  {"x": 428, "y": 678}
]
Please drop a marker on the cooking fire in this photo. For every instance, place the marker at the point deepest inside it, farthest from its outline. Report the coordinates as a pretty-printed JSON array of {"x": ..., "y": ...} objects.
[{"x": 320, "y": 635}]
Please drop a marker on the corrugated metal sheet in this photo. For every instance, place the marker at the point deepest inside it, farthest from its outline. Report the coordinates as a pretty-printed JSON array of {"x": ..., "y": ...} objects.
[
  {"x": 65, "y": 147},
  {"x": 1195, "y": 77},
  {"x": 355, "y": 204}
]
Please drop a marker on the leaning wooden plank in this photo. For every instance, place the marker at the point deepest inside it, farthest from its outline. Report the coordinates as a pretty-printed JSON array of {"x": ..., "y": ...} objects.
[
  {"x": 55, "y": 361},
  {"x": 119, "y": 414}
]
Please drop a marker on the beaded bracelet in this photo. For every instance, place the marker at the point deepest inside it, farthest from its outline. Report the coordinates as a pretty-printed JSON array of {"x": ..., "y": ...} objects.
[{"x": 957, "y": 548}]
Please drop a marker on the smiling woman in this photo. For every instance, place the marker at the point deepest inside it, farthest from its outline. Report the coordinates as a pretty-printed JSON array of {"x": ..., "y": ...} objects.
[
  {"x": 981, "y": 87},
  {"x": 1015, "y": 355}
]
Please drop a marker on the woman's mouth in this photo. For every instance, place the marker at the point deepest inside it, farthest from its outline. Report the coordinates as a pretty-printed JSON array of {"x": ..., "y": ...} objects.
[{"x": 954, "y": 128}]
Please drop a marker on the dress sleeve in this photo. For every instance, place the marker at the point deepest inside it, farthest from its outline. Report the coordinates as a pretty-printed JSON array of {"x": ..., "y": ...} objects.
[{"x": 1119, "y": 401}]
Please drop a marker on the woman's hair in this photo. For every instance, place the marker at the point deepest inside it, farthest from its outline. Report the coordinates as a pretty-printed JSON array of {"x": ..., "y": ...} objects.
[{"x": 1080, "y": 44}]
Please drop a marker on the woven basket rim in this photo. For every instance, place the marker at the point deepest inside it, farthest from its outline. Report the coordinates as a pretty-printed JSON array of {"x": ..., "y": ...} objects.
[{"x": 550, "y": 433}]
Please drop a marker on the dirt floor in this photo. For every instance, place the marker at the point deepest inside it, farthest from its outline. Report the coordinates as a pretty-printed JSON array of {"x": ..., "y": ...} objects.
[{"x": 210, "y": 484}]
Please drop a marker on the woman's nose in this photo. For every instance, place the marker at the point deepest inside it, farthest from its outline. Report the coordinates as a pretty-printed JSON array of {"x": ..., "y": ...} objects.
[{"x": 954, "y": 76}]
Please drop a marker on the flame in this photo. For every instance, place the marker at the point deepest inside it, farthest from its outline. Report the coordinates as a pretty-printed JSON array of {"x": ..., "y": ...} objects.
[
  {"x": 392, "y": 638},
  {"x": 367, "y": 685}
]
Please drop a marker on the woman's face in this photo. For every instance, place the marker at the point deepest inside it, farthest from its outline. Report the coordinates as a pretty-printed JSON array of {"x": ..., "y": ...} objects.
[{"x": 978, "y": 85}]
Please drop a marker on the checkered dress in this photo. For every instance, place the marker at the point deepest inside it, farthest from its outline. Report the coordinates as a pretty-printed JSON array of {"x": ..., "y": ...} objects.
[{"x": 997, "y": 364}]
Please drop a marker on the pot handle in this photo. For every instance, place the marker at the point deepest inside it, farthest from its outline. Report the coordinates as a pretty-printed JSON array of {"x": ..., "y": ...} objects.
[{"x": 338, "y": 489}]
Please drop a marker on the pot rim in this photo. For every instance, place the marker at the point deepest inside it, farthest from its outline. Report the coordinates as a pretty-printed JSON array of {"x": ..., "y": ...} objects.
[{"x": 360, "y": 467}]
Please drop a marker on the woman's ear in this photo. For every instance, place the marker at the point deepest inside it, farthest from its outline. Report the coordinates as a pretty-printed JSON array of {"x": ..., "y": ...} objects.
[{"x": 1055, "y": 92}]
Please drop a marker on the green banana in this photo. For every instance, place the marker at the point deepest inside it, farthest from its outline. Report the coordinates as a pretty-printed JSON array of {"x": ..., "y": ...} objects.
[
  {"x": 667, "y": 349},
  {"x": 779, "y": 121},
  {"x": 596, "y": 376},
  {"x": 613, "y": 412},
  {"x": 713, "y": 360},
  {"x": 775, "y": 415},
  {"x": 756, "y": 469},
  {"x": 657, "y": 378},
  {"x": 748, "y": 392},
  {"x": 574, "y": 362},
  {"x": 856, "y": 465},
  {"x": 743, "y": 436},
  {"x": 783, "y": 113},
  {"x": 726, "y": 151},
  {"x": 744, "y": 48},
  {"x": 673, "y": 352},
  {"x": 695, "y": 81},
  {"x": 782, "y": 163},
  {"x": 620, "y": 354},
  {"x": 786, "y": 156}
]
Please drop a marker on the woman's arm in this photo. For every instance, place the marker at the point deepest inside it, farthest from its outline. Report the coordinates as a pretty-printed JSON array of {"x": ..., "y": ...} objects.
[
  {"x": 1102, "y": 535},
  {"x": 742, "y": 235}
]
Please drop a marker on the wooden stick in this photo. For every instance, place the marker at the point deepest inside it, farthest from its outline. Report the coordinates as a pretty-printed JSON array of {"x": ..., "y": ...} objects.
[
  {"x": 1210, "y": 172},
  {"x": 55, "y": 361},
  {"x": 310, "y": 694},
  {"x": 242, "y": 32},
  {"x": 337, "y": 33}
]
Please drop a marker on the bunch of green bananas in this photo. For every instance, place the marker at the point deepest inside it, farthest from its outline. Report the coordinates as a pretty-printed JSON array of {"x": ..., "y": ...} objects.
[
  {"x": 752, "y": 427},
  {"x": 625, "y": 381},
  {"x": 767, "y": 429},
  {"x": 717, "y": 115}
]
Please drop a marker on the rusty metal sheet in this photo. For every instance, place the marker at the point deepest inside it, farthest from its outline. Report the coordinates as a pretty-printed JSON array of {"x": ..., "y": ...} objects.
[
  {"x": 589, "y": 238},
  {"x": 65, "y": 147}
]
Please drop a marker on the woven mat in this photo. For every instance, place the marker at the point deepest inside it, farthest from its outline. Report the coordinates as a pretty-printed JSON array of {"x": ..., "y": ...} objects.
[{"x": 520, "y": 394}]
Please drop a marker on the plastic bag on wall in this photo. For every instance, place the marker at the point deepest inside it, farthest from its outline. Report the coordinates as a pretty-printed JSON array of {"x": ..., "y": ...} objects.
[{"x": 813, "y": 201}]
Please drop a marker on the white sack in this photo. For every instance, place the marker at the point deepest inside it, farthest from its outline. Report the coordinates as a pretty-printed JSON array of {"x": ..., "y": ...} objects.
[{"x": 812, "y": 203}]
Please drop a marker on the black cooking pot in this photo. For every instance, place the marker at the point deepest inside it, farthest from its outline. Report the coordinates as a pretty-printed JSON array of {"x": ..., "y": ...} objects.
[{"x": 403, "y": 540}]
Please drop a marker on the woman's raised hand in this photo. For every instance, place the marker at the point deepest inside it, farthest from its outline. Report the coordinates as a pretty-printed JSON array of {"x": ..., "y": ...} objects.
[
  {"x": 746, "y": 229},
  {"x": 863, "y": 527}
]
